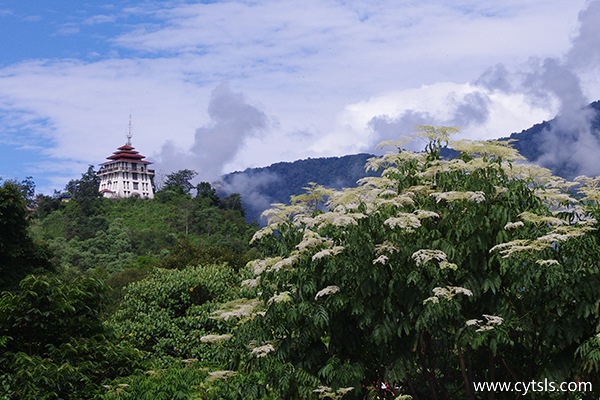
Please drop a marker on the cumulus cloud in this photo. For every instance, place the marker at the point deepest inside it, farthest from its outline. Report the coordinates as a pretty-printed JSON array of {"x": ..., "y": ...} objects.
[
  {"x": 479, "y": 111},
  {"x": 541, "y": 88},
  {"x": 387, "y": 127},
  {"x": 232, "y": 122},
  {"x": 496, "y": 77}
]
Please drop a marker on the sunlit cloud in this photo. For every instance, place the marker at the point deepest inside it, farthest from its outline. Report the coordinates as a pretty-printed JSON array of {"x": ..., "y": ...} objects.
[{"x": 327, "y": 78}]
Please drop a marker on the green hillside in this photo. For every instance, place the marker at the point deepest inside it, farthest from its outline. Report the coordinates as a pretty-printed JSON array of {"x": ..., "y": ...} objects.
[{"x": 430, "y": 278}]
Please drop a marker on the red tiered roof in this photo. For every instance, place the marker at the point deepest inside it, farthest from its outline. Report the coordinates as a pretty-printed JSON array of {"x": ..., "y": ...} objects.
[{"x": 127, "y": 153}]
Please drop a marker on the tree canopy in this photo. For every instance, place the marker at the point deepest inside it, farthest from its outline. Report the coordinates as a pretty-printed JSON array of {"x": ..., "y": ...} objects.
[
  {"x": 19, "y": 254},
  {"x": 435, "y": 275}
]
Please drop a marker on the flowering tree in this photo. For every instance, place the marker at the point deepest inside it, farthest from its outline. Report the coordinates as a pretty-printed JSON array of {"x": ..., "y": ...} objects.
[{"x": 436, "y": 274}]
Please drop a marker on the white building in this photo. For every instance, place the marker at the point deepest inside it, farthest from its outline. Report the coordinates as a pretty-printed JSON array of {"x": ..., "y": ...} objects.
[{"x": 126, "y": 174}]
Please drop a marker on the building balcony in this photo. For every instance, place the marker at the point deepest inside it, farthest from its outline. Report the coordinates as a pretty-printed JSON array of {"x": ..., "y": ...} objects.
[{"x": 106, "y": 170}]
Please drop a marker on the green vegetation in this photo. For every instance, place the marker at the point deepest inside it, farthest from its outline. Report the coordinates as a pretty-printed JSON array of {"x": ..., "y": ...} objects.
[
  {"x": 65, "y": 326},
  {"x": 429, "y": 276}
]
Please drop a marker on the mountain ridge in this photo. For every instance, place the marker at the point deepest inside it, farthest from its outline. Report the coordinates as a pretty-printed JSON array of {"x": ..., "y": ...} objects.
[{"x": 263, "y": 186}]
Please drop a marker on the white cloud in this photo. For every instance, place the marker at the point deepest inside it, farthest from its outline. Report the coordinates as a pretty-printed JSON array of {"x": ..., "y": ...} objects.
[
  {"x": 321, "y": 72},
  {"x": 395, "y": 114}
]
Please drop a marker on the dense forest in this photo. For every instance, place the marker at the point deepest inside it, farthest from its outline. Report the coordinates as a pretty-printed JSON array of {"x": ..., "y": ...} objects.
[{"x": 428, "y": 277}]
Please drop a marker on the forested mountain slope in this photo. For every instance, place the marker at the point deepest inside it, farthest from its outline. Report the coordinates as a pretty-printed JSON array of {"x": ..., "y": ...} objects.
[
  {"x": 560, "y": 144},
  {"x": 260, "y": 187}
]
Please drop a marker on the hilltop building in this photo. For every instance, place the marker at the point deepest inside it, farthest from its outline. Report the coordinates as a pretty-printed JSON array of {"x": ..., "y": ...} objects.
[{"x": 126, "y": 174}]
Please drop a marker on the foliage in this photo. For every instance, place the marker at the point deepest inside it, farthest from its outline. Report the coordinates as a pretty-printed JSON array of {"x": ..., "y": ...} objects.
[
  {"x": 206, "y": 192},
  {"x": 114, "y": 234},
  {"x": 19, "y": 254},
  {"x": 179, "y": 182},
  {"x": 185, "y": 253},
  {"x": 182, "y": 380},
  {"x": 435, "y": 275},
  {"x": 170, "y": 311},
  {"x": 55, "y": 343},
  {"x": 84, "y": 189},
  {"x": 110, "y": 248}
]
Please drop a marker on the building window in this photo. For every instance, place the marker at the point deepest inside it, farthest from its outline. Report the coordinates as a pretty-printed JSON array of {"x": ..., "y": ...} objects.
[
  {"x": 135, "y": 186},
  {"x": 134, "y": 176}
]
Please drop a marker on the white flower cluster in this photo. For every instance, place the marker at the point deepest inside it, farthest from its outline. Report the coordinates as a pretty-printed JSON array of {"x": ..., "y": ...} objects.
[
  {"x": 215, "y": 338},
  {"x": 476, "y": 197},
  {"x": 421, "y": 214},
  {"x": 335, "y": 250},
  {"x": 403, "y": 221},
  {"x": 547, "y": 262},
  {"x": 337, "y": 219},
  {"x": 285, "y": 263},
  {"x": 513, "y": 225},
  {"x": 381, "y": 260},
  {"x": 540, "y": 219},
  {"x": 262, "y": 351},
  {"x": 279, "y": 213},
  {"x": 419, "y": 189},
  {"x": 434, "y": 169},
  {"x": 490, "y": 322},
  {"x": 261, "y": 233},
  {"x": 398, "y": 201},
  {"x": 559, "y": 234},
  {"x": 472, "y": 165},
  {"x": 554, "y": 196},
  {"x": 347, "y": 200},
  {"x": 447, "y": 293},
  {"x": 325, "y": 392},
  {"x": 386, "y": 247},
  {"x": 376, "y": 182},
  {"x": 312, "y": 239},
  {"x": 517, "y": 246},
  {"x": 259, "y": 266},
  {"x": 283, "y": 297},
  {"x": 250, "y": 283},
  {"x": 589, "y": 188},
  {"x": 423, "y": 256},
  {"x": 218, "y": 375},
  {"x": 329, "y": 290},
  {"x": 237, "y": 309},
  {"x": 493, "y": 148}
]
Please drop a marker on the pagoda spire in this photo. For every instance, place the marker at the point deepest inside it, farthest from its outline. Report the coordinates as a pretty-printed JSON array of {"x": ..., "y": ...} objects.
[{"x": 129, "y": 132}]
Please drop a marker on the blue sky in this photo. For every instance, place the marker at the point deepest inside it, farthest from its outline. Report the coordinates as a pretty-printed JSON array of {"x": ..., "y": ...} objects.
[{"x": 225, "y": 85}]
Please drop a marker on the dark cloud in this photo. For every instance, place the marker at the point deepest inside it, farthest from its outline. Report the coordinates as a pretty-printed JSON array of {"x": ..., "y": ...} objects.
[
  {"x": 472, "y": 108},
  {"x": 251, "y": 186},
  {"x": 585, "y": 46},
  {"x": 232, "y": 121},
  {"x": 551, "y": 78},
  {"x": 495, "y": 78},
  {"x": 385, "y": 127}
]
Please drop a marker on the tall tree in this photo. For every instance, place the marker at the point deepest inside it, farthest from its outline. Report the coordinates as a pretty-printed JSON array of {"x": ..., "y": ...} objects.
[
  {"x": 206, "y": 193},
  {"x": 435, "y": 275},
  {"x": 86, "y": 188},
  {"x": 19, "y": 255},
  {"x": 180, "y": 181}
]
